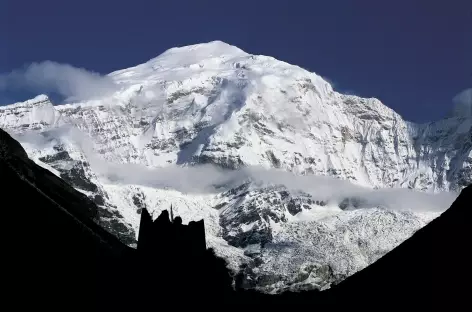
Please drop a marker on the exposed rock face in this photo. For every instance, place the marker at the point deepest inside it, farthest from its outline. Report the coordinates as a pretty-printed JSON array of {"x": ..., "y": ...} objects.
[{"x": 215, "y": 104}]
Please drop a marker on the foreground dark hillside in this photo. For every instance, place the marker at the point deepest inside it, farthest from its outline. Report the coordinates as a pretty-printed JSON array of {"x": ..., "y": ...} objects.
[{"x": 57, "y": 257}]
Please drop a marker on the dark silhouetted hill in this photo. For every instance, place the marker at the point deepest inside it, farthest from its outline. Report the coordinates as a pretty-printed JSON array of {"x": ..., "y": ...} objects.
[{"x": 58, "y": 258}]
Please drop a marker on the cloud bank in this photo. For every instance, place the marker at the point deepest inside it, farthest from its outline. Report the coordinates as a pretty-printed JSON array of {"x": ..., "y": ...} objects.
[
  {"x": 463, "y": 104},
  {"x": 211, "y": 179},
  {"x": 74, "y": 84}
]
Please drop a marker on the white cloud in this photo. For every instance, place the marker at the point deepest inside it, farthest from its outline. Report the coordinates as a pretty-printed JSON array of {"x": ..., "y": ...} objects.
[
  {"x": 211, "y": 179},
  {"x": 463, "y": 103},
  {"x": 72, "y": 83},
  {"x": 330, "y": 81}
]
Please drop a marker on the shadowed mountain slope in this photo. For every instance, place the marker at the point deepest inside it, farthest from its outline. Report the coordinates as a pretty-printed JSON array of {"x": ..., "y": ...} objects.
[{"x": 59, "y": 258}]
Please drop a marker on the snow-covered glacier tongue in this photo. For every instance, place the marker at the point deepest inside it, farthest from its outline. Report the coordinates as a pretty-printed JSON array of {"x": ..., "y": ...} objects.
[{"x": 300, "y": 186}]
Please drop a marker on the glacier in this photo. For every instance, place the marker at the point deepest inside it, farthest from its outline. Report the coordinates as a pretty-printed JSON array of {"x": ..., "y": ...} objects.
[{"x": 300, "y": 186}]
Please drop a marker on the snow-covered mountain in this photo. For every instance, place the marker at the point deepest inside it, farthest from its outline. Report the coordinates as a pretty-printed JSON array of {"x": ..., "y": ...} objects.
[{"x": 215, "y": 104}]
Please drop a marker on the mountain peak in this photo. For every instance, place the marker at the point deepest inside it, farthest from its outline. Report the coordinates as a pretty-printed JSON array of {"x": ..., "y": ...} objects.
[
  {"x": 182, "y": 57},
  {"x": 209, "y": 49},
  {"x": 196, "y": 53},
  {"x": 40, "y": 98},
  {"x": 36, "y": 101},
  {"x": 36, "y": 113}
]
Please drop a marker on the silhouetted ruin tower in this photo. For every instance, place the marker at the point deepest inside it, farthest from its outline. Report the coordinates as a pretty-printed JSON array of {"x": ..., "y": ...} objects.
[{"x": 167, "y": 235}]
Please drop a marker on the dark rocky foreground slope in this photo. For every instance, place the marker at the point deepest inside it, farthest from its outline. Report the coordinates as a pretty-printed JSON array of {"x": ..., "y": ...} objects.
[{"x": 59, "y": 258}]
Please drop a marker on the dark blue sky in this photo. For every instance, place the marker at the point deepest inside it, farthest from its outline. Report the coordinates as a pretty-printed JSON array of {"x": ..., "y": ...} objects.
[{"x": 413, "y": 55}]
